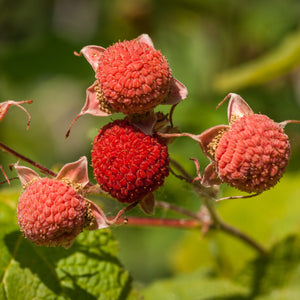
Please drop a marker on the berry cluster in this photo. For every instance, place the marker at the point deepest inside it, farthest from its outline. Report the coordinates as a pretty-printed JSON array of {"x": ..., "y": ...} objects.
[{"x": 130, "y": 157}]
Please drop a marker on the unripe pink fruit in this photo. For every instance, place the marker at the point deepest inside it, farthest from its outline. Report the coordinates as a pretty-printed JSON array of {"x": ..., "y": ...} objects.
[
  {"x": 127, "y": 163},
  {"x": 133, "y": 77},
  {"x": 51, "y": 213},
  {"x": 253, "y": 154}
]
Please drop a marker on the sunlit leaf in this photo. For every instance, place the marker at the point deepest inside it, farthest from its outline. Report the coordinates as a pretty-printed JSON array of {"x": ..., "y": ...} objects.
[
  {"x": 267, "y": 218},
  {"x": 198, "y": 285},
  {"x": 278, "y": 272}
]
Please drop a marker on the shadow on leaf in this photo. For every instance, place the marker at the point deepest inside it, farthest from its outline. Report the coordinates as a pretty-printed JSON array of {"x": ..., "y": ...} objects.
[
  {"x": 265, "y": 274},
  {"x": 65, "y": 272}
]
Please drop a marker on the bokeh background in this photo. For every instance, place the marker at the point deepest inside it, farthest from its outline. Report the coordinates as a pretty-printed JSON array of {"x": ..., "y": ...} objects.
[{"x": 213, "y": 47}]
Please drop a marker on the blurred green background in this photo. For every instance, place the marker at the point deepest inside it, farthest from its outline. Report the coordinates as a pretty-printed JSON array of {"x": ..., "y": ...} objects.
[{"x": 213, "y": 47}]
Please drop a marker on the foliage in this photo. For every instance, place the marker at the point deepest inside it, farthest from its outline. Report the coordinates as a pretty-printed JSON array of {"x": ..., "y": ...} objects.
[
  {"x": 89, "y": 270},
  {"x": 213, "y": 47}
]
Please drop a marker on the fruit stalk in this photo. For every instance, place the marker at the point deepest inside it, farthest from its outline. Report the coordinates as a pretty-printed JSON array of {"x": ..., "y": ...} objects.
[{"x": 208, "y": 195}]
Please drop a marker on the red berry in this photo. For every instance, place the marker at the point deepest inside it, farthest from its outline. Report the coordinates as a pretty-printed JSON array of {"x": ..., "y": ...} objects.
[
  {"x": 51, "y": 213},
  {"x": 133, "y": 77},
  {"x": 127, "y": 163},
  {"x": 253, "y": 154}
]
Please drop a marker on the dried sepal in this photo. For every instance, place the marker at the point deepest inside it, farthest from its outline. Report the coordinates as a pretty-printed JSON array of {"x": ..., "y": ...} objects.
[
  {"x": 26, "y": 175},
  {"x": 91, "y": 106},
  {"x": 145, "y": 122},
  {"x": 210, "y": 176},
  {"x": 145, "y": 38},
  {"x": 178, "y": 92},
  {"x": 92, "y": 54},
  {"x": 197, "y": 165},
  {"x": 6, "y": 177},
  {"x": 76, "y": 172},
  {"x": 284, "y": 123},
  {"x": 209, "y": 140},
  {"x": 237, "y": 107},
  {"x": 95, "y": 217},
  {"x": 147, "y": 204},
  {"x": 4, "y": 106}
]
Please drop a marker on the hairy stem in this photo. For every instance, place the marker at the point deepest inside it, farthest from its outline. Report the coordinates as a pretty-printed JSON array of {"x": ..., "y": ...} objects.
[{"x": 43, "y": 169}]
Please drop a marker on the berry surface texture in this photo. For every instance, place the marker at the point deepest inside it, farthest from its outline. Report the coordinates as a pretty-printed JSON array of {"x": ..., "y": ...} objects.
[
  {"x": 51, "y": 213},
  {"x": 133, "y": 77},
  {"x": 253, "y": 154},
  {"x": 127, "y": 163}
]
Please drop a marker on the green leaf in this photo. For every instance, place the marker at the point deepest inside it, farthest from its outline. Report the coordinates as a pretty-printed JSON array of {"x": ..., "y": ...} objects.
[
  {"x": 276, "y": 63},
  {"x": 90, "y": 269},
  {"x": 267, "y": 218},
  {"x": 8, "y": 200},
  {"x": 264, "y": 278},
  {"x": 278, "y": 271},
  {"x": 198, "y": 285}
]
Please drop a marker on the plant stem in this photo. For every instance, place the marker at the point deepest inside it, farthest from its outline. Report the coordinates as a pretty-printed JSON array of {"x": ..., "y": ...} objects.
[
  {"x": 181, "y": 210},
  {"x": 121, "y": 212},
  {"x": 188, "y": 224},
  {"x": 208, "y": 195},
  {"x": 149, "y": 221},
  {"x": 244, "y": 237},
  {"x": 45, "y": 170}
]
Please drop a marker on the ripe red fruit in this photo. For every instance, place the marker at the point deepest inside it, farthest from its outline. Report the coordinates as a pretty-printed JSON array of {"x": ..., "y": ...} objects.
[
  {"x": 127, "y": 163},
  {"x": 51, "y": 213},
  {"x": 133, "y": 77},
  {"x": 253, "y": 154}
]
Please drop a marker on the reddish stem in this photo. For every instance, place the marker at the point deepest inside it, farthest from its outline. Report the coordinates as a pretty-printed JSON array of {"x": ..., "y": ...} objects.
[
  {"x": 177, "y": 223},
  {"x": 28, "y": 160},
  {"x": 121, "y": 212},
  {"x": 207, "y": 196}
]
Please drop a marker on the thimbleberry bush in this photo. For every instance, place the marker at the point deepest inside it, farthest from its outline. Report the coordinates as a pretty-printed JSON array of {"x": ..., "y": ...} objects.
[{"x": 130, "y": 158}]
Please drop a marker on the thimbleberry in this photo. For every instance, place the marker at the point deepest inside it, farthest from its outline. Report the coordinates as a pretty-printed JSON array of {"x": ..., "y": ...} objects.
[
  {"x": 51, "y": 213},
  {"x": 253, "y": 154},
  {"x": 133, "y": 77},
  {"x": 127, "y": 163}
]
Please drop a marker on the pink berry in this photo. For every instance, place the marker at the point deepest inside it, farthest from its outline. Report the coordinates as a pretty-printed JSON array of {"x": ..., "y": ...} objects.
[
  {"x": 51, "y": 213},
  {"x": 133, "y": 77},
  {"x": 253, "y": 154},
  {"x": 127, "y": 163}
]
